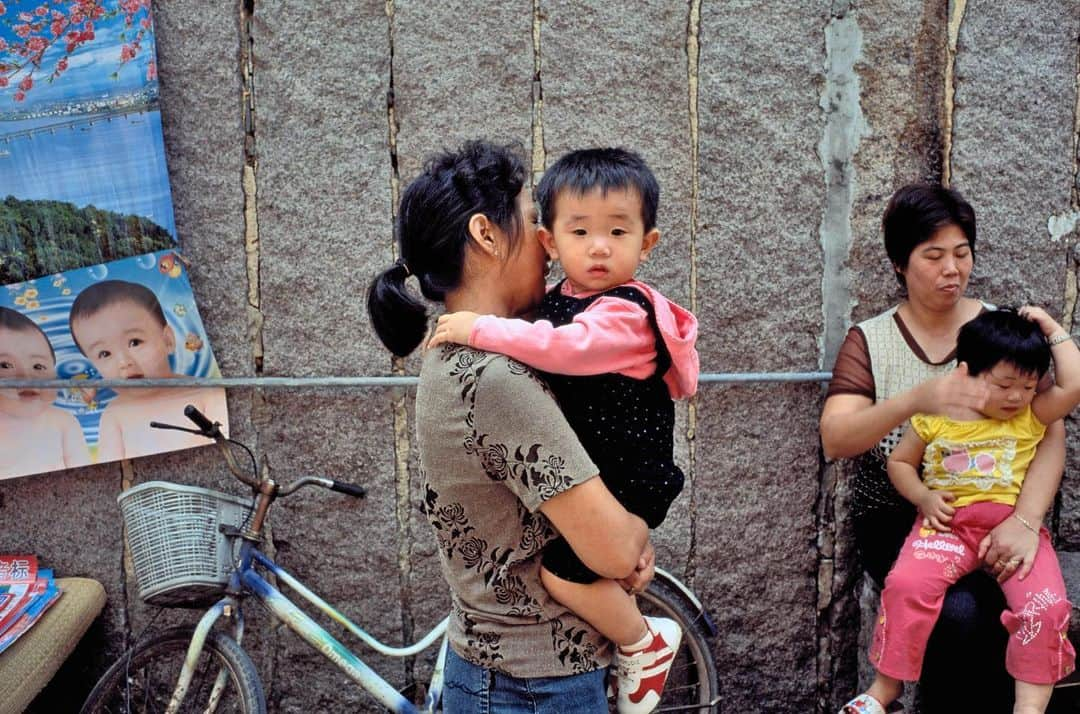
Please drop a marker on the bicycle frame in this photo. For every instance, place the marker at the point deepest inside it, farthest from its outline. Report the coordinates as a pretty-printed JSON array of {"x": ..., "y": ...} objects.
[{"x": 246, "y": 578}]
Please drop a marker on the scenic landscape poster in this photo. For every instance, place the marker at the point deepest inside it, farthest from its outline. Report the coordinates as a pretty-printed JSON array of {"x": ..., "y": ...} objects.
[{"x": 84, "y": 199}]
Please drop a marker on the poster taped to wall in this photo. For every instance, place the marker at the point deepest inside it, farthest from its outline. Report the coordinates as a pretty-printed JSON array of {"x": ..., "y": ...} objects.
[
  {"x": 129, "y": 319},
  {"x": 86, "y": 221}
]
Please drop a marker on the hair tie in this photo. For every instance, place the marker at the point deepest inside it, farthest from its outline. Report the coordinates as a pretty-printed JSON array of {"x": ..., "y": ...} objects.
[{"x": 400, "y": 262}]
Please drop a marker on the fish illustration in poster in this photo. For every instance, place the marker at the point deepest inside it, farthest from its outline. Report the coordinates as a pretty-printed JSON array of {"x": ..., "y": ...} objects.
[
  {"x": 86, "y": 225},
  {"x": 112, "y": 321}
]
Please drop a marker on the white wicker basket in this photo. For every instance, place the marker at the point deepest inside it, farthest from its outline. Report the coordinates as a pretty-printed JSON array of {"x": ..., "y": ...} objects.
[{"x": 181, "y": 557}]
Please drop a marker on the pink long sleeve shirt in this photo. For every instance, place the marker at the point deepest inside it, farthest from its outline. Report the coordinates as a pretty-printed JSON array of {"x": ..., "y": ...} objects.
[{"x": 612, "y": 335}]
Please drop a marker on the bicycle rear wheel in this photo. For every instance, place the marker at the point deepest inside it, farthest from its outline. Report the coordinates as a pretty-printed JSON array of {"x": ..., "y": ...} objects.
[
  {"x": 693, "y": 685},
  {"x": 142, "y": 681}
]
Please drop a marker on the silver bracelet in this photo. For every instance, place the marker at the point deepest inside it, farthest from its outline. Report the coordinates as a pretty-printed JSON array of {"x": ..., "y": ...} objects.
[
  {"x": 1023, "y": 521},
  {"x": 1063, "y": 337}
]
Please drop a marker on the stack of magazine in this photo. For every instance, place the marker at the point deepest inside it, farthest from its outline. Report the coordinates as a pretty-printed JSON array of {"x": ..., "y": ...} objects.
[{"x": 26, "y": 592}]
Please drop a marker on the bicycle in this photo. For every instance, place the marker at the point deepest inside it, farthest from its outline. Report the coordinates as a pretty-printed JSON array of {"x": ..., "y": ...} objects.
[{"x": 192, "y": 546}]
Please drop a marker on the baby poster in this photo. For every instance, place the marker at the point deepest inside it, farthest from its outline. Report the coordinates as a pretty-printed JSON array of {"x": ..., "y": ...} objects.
[
  {"x": 130, "y": 319},
  {"x": 91, "y": 282}
]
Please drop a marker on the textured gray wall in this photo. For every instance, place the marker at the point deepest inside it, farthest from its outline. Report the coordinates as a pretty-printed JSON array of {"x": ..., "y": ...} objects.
[{"x": 777, "y": 131}]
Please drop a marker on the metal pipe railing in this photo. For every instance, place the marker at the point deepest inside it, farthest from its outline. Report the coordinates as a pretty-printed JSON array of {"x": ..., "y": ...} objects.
[{"x": 349, "y": 382}]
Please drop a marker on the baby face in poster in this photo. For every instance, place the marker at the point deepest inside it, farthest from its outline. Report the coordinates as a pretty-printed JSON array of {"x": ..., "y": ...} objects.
[{"x": 27, "y": 415}]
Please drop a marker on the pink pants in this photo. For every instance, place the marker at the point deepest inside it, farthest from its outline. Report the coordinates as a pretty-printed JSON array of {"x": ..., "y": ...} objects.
[{"x": 1038, "y": 652}]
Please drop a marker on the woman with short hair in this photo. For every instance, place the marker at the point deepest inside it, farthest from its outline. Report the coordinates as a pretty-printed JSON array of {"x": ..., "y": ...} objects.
[{"x": 900, "y": 363}]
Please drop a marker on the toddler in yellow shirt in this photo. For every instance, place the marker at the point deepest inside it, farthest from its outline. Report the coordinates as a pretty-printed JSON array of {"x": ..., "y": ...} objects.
[{"x": 973, "y": 465}]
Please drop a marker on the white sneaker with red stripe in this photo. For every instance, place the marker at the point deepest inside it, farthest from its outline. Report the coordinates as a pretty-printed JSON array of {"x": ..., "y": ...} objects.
[{"x": 640, "y": 676}]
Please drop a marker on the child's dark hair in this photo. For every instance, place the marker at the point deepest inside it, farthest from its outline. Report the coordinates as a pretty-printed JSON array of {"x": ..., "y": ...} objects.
[
  {"x": 17, "y": 322},
  {"x": 433, "y": 230},
  {"x": 1003, "y": 335},
  {"x": 606, "y": 169},
  {"x": 917, "y": 211},
  {"x": 110, "y": 292}
]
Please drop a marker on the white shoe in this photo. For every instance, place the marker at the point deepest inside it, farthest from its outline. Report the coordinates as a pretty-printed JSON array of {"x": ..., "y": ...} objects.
[{"x": 640, "y": 676}]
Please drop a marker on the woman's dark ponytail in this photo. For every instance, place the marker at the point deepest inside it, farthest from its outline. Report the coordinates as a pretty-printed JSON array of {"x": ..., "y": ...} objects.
[
  {"x": 433, "y": 234},
  {"x": 399, "y": 318}
]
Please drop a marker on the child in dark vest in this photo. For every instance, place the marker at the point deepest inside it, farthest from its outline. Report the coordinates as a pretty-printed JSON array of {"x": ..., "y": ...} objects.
[{"x": 616, "y": 353}]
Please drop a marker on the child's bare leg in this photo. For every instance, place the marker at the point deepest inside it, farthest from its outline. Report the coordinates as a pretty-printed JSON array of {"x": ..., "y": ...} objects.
[
  {"x": 603, "y": 604},
  {"x": 1032, "y": 698},
  {"x": 885, "y": 690}
]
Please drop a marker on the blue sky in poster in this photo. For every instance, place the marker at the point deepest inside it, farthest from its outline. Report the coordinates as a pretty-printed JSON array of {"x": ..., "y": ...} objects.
[
  {"x": 94, "y": 69},
  {"x": 47, "y": 301}
]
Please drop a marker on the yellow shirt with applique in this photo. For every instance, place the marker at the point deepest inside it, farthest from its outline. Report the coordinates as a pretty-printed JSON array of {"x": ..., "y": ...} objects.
[{"x": 980, "y": 460}]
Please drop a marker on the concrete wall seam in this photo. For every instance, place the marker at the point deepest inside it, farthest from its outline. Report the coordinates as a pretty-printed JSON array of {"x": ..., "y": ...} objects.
[
  {"x": 402, "y": 441},
  {"x": 539, "y": 153},
  {"x": 956, "y": 18},
  {"x": 693, "y": 58}
]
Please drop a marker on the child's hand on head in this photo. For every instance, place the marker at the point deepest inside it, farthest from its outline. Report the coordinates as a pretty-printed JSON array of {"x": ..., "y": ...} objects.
[
  {"x": 1041, "y": 318},
  {"x": 936, "y": 511},
  {"x": 453, "y": 327}
]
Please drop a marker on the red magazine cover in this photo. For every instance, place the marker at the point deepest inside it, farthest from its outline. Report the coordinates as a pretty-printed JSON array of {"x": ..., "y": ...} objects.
[
  {"x": 18, "y": 574},
  {"x": 44, "y": 594}
]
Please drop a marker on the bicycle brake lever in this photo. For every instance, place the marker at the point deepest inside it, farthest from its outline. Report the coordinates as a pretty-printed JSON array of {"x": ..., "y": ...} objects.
[{"x": 159, "y": 425}]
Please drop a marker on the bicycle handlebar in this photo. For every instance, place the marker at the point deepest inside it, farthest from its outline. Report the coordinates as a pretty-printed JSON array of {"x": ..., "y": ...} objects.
[
  {"x": 349, "y": 489},
  {"x": 212, "y": 430},
  {"x": 208, "y": 428},
  {"x": 339, "y": 486}
]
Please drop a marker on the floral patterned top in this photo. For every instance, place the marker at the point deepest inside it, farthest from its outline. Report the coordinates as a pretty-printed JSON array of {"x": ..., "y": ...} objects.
[{"x": 493, "y": 447}]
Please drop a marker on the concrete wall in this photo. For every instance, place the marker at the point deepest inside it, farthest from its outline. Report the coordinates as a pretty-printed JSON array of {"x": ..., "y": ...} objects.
[{"x": 777, "y": 131}]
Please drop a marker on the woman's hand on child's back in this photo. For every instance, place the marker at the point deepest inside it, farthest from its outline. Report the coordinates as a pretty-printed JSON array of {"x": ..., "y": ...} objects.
[
  {"x": 936, "y": 511},
  {"x": 453, "y": 327}
]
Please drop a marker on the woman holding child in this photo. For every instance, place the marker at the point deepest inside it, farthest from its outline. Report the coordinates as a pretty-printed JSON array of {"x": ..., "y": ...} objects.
[
  {"x": 901, "y": 363},
  {"x": 500, "y": 463}
]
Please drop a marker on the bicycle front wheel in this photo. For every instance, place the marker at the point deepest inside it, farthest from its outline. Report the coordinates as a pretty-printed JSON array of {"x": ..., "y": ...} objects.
[
  {"x": 142, "y": 681},
  {"x": 693, "y": 685}
]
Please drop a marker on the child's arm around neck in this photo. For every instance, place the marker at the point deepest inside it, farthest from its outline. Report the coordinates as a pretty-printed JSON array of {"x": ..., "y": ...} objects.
[{"x": 1056, "y": 402}]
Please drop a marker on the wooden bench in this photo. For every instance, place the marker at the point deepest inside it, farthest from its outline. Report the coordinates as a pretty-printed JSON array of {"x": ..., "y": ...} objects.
[{"x": 28, "y": 664}]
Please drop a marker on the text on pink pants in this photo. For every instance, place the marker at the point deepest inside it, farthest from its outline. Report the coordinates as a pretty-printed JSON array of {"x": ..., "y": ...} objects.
[{"x": 1038, "y": 652}]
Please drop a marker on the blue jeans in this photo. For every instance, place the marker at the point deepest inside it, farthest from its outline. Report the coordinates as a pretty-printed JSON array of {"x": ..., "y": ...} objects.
[{"x": 471, "y": 689}]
